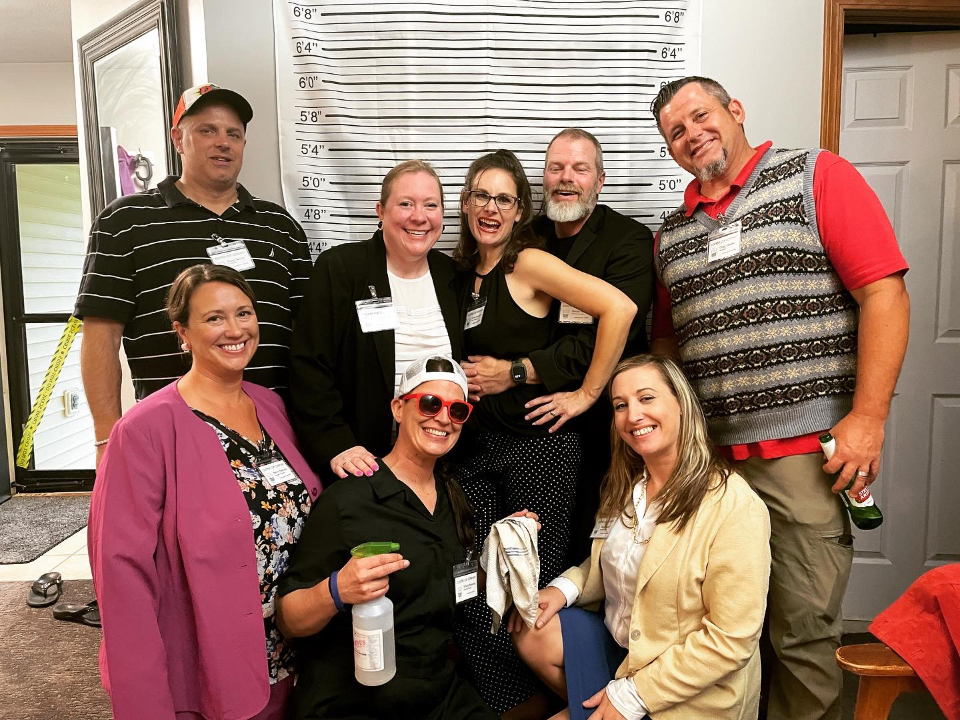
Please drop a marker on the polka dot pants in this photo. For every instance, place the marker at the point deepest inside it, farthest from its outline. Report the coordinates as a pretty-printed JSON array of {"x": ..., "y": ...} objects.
[{"x": 502, "y": 475}]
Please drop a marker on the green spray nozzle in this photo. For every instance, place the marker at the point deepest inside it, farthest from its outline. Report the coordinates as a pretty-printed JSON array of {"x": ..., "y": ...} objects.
[{"x": 369, "y": 549}]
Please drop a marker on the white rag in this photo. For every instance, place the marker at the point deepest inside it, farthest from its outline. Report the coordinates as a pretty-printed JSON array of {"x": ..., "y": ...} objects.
[{"x": 512, "y": 564}]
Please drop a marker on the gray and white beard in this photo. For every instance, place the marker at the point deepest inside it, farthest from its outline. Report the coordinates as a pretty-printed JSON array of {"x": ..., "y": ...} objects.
[
  {"x": 566, "y": 211},
  {"x": 714, "y": 169}
]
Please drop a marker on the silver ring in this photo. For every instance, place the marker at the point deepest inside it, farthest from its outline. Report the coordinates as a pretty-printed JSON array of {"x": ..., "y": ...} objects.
[{"x": 861, "y": 473}]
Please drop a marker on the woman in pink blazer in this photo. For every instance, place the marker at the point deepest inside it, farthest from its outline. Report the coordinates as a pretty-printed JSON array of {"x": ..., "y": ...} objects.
[
  {"x": 200, "y": 497},
  {"x": 681, "y": 562}
]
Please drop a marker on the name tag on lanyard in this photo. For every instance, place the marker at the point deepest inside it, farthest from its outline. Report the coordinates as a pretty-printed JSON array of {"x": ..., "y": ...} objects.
[
  {"x": 465, "y": 585},
  {"x": 232, "y": 254},
  {"x": 569, "y": 315},
  {"x": 274, "y": 471},
  {"x": 724, "y": 242},
  {"x": 601, "y": 530},
  {"x": 377, "y": 313},
  {"x": 475, "y": 313}
]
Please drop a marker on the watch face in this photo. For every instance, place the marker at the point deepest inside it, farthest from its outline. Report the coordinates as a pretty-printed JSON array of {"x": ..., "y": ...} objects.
[{"x": 518, "y": 372}]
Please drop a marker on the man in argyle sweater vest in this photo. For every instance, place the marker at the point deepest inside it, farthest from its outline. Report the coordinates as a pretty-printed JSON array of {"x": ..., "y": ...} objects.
[{"x": 781, "y": 290}]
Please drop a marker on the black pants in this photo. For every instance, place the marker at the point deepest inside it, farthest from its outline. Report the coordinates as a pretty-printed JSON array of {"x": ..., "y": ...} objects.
[{"x": 503, "y": 474}]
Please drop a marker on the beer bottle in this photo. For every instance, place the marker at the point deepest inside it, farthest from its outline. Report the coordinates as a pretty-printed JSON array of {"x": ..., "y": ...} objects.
[{"x": 864, "y": 512}]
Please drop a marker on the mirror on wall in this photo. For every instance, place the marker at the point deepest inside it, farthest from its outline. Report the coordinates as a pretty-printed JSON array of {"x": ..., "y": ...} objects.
[{"x": 130, "y": 80}]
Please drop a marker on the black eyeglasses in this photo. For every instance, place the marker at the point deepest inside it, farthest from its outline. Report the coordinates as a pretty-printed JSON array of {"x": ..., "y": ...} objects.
[
  {"x": 430, "y": 406},
  {"x": 503, "y": 201}
]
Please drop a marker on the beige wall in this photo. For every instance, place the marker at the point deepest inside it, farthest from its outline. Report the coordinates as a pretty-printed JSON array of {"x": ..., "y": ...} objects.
[
  {"x": 37, "y": 94},
  {"x": 770, "y": 56}
]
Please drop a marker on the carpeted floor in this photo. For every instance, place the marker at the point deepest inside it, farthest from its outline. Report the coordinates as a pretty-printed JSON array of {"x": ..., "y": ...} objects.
[
  {"x": 49, "y": 666},
  {"x": 32, "y": 524}
]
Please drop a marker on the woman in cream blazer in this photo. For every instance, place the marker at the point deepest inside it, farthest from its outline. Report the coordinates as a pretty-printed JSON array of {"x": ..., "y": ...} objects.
[{"x": 680, "y": 561}]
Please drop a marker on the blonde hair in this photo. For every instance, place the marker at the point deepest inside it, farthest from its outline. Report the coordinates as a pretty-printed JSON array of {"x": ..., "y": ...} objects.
[
  {"x": 407, "y": 166},
  {"x": 699, "y": 467}
]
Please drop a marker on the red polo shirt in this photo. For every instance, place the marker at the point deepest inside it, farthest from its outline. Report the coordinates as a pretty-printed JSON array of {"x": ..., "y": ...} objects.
[{"x": 857, "y": 238}]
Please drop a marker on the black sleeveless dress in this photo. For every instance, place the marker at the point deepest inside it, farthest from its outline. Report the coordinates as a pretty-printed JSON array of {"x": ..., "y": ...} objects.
[
  {"x": 508, "y": 332},
  {"x": 508, "y": 464}
]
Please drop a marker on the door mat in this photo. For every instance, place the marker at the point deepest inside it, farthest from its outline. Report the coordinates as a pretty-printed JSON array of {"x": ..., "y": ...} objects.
[{"x": 32, "y": 524}]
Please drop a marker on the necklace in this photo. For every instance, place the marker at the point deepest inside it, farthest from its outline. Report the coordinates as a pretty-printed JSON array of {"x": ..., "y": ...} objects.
[{"x": 637, "y": 540}]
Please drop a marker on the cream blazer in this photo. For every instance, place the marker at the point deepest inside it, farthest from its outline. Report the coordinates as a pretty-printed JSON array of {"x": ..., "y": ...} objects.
[{"x": 698, "y": 610}]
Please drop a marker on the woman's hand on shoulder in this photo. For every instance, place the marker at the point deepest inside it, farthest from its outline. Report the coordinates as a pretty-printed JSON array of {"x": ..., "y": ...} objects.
[
  {"x": 354, "y": 461},
  {"x": 363, "y": 579}
]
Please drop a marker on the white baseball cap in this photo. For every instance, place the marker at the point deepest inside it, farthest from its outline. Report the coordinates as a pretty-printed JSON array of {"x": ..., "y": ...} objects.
[{"x": 432, "y": 367}]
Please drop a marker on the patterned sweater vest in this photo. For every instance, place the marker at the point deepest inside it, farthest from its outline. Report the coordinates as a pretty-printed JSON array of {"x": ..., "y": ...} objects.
[{"x": 768, "y": 337}]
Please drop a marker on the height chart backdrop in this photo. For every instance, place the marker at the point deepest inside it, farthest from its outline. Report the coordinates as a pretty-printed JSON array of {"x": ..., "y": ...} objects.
[{"x": 364, "y": 85}]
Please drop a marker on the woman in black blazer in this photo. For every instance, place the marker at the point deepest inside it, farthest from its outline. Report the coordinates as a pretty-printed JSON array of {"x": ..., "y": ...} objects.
[{"x": 370, "y": 308}]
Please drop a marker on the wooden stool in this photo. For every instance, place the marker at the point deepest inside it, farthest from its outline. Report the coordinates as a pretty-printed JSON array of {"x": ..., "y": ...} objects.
[{"x": 883, "y": 674}]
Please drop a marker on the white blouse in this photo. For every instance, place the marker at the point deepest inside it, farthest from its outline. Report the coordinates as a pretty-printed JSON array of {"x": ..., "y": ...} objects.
[{"x": 422, "y": 330}]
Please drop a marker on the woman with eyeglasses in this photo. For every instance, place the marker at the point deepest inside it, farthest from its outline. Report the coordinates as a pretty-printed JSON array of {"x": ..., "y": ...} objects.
[
  {"x": 372, "y": 307},
  {"x": 521, "y": 455},
  {"x": 411, "y": 499}
]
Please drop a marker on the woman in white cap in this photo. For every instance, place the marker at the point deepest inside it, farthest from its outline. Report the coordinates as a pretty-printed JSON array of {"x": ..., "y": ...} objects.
[{"x": 412, "y": 500}]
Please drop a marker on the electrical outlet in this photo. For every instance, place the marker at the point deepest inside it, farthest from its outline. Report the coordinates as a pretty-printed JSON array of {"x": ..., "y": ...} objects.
[{"x": 71, "y": 402}]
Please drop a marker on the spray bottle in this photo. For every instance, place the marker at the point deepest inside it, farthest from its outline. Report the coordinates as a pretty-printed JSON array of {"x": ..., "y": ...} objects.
[
  {"x": 864, "y": 511},
  {"x": 374, "y": 652}
]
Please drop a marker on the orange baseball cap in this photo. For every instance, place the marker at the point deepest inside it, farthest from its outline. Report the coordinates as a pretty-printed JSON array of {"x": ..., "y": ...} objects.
[{"x": 191, "y": 100}]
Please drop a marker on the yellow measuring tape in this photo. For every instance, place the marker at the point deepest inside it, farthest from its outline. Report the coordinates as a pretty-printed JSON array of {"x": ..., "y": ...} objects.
[{"x": 46, "y": 390}]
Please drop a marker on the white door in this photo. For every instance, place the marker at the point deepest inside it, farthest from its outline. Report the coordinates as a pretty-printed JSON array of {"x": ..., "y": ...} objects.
[{"x": 900, "y": 125}]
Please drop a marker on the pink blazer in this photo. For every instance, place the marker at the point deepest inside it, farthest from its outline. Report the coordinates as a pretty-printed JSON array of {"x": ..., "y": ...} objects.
[{"x": 174, "y": 567}]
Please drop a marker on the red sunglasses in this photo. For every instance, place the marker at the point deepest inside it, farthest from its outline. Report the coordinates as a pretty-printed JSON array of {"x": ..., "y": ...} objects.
[{"x": 430, "y": 405}]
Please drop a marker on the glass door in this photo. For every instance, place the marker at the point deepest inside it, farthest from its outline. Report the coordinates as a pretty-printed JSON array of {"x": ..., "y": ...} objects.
[{"x": 42, "y": 248}]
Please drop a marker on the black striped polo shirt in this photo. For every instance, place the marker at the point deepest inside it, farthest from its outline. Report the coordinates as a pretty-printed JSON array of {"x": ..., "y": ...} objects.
[{"x": 140, "y": 243}]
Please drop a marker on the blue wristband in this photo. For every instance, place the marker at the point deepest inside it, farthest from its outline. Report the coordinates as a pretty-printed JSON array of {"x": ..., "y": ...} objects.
[{"x": 335, "y": 593}]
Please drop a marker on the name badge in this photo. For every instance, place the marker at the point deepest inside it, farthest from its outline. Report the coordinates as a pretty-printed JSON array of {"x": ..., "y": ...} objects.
[
  {"x": 275, "y": 471},
  {"x": 571, "y": 316},
  {"x": 475, "y": 313},
  {"x": 465, "y": 581},
  {"x": 601, "y": 530},
  {"x": 377, "y": 314},
  {"x": 724, "y": 242},
  {"x": 232, "y": 254}
]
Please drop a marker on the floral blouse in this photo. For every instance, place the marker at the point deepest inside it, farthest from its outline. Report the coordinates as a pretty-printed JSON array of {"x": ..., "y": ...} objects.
[{"x": 278, "y": 514}]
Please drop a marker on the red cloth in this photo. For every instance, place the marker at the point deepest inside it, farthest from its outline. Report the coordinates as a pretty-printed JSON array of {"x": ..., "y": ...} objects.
[
  {"x": 923, "y": 627},
  {"x": 855, "y": 233}
]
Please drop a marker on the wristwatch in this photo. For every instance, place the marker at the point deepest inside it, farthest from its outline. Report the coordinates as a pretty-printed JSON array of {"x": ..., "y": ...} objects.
[{"x": 518, "y": 372}]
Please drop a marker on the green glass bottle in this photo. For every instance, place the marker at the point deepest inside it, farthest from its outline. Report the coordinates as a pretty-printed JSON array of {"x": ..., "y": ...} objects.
[{"x": 864, "y": 511}]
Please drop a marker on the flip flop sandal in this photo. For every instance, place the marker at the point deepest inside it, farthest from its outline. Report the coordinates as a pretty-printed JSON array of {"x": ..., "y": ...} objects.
[
  {"x": 45, "y": 590},
  {"x": 88, "y": 614}
]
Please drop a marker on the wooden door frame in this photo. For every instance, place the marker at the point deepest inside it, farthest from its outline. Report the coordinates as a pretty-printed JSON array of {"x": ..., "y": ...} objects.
[
  {"x": 38, "y": 131},
  {"x": 836, "y": 14}
]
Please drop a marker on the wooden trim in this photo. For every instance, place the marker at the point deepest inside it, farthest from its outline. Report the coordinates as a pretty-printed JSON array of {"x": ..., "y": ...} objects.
[
  {"x": 836, "y": 14},
  {"x": 28, "y": 131}
]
